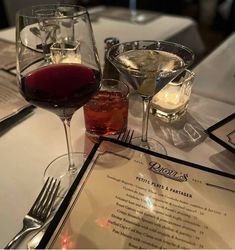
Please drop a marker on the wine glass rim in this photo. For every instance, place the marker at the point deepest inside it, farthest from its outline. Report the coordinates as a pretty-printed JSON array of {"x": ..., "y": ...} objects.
[
  {"x": 147, "y": 41},
  {"x": 26, "y": 10}
]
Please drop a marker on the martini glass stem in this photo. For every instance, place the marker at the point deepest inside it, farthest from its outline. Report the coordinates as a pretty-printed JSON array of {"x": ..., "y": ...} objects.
[
  {"x": 146, "y": 107},
  {"x": 66, "y": 124}
]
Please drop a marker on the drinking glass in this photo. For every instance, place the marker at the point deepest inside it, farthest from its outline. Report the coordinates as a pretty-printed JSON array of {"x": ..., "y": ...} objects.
[
  {"x": 132, "y": 7},
  {"x": 106, "y": 114},
  {"x": 148, "y": 66},
  {"x": 57, "y": 68}
]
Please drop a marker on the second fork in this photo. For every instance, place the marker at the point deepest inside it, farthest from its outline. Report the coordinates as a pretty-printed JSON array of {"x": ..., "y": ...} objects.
[{"x": 39, "y": 212}]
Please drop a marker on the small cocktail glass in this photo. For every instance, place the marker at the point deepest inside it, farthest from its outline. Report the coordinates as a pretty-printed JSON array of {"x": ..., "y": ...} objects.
[{"x": 106, "y": 114}]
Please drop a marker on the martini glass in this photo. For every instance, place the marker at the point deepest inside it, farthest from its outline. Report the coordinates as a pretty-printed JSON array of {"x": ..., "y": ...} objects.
[
  {"x": 57, "y": 69},
  {"x": 148, "y": 66}
]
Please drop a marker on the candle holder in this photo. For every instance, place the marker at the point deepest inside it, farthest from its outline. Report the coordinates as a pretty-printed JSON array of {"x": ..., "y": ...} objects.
[
  {"x": 65, "y": 52},
  {"x": 171, "y": 103}
]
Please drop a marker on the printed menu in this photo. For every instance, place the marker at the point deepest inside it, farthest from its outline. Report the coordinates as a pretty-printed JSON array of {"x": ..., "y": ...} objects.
[
  {"x": 134, "y": 198},
  {"x": 13, "y": 107},
  {"x": 223, "y": 132},
  {"x": 7, "y": 54}
]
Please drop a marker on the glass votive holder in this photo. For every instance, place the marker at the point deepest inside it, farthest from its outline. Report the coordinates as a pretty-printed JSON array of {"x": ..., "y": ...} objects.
[
  {"x": 171, "y": 103},
  {"x": 66, "y": 52},
  {"x": 106, "y": 113}
]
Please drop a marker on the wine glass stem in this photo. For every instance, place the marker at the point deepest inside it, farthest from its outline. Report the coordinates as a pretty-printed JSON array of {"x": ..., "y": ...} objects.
[
  {"x": 132, "y": 6},
  {"x": 66, "y": 124},
  {"x": 146, "y": 102}
]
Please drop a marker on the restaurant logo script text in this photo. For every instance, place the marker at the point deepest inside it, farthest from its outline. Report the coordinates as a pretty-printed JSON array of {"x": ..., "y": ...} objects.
[{"x": 172, "y": 174}]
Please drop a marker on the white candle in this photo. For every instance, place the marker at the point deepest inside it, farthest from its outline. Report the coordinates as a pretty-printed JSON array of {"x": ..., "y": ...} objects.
[
  {"x": 62, "y": 54},
  {"x": 69, "y": 58},
  {"x": 172, "y": 101},
  {"x": 170, "y": 98}
]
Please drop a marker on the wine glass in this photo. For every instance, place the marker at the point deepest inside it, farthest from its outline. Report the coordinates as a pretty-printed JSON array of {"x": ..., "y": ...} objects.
[
  {"x": 132, "y": 7},
  {"x": 57, "y": 69},
  {"x": 148, "y": 66}
]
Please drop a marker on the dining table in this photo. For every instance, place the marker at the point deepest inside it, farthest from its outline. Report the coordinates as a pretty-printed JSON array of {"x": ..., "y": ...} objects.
[{"x": 30, "y": 145}]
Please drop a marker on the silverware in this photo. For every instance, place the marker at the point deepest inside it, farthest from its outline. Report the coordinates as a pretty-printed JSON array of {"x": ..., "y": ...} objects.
[
  {"x": 126, "y": 136},
  {"x": 39, "y": 212},
  {"x": 35, "y": 240}
]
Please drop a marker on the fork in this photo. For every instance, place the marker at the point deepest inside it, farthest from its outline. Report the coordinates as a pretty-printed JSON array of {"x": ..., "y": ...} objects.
[
  {"x": 126, "y": 136},
  {"x": 39, "y": 212}
]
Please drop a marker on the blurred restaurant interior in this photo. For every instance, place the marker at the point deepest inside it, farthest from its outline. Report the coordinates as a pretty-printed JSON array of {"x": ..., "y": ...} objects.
[{"x": 215, "y": 18}]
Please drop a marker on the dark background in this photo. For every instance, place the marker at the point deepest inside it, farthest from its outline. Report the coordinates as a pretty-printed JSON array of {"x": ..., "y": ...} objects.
[{"x": 213, "y": 29}]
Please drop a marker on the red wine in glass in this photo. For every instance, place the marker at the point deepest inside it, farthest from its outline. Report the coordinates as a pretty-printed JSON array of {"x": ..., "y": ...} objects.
[{"x": 60, "y": 88}]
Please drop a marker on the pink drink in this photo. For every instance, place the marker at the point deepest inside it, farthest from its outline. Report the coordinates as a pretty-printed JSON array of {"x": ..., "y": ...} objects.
[{"x": 106, "y": 113}]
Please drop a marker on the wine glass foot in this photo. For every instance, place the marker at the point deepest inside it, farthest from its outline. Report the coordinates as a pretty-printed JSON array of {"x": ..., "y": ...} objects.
[
  {"x": 151, "y": 144},
  {"x": 59, "y": 169}
]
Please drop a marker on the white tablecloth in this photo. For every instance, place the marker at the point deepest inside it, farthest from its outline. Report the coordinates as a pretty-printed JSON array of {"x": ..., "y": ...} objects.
[
  {"x": 164, "y": 27},
  {"x": 27, "y": 148},
  {"x": 215, "y": 77}
]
